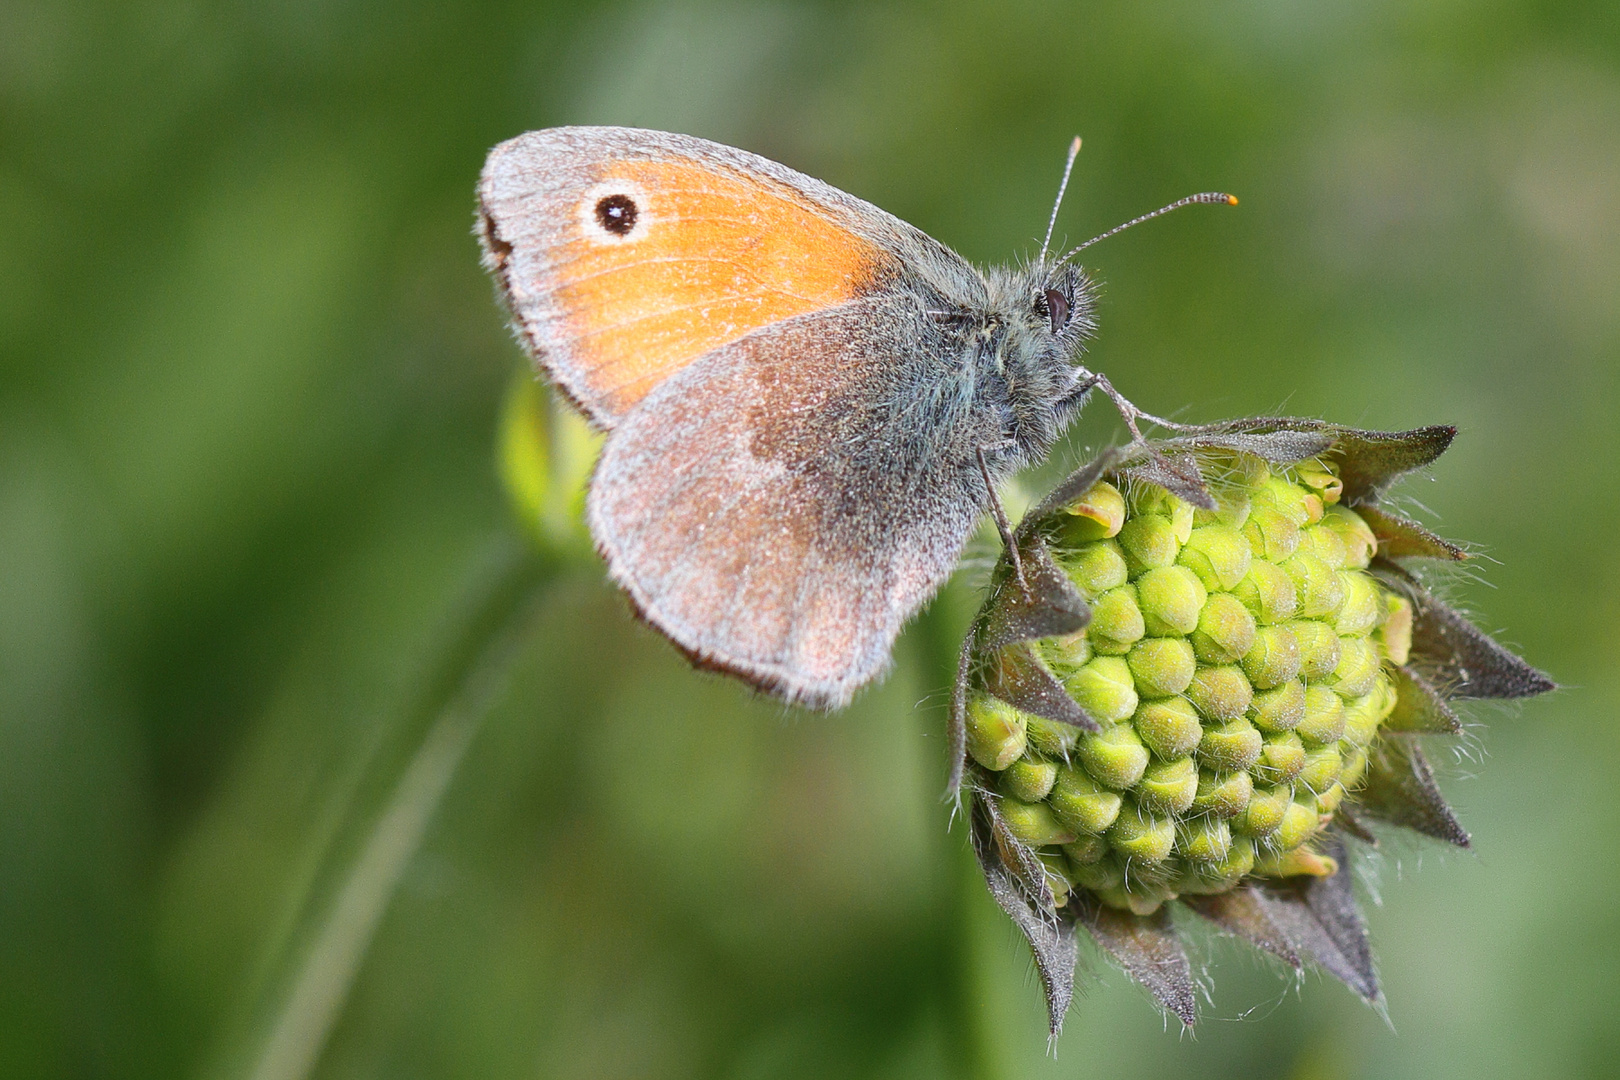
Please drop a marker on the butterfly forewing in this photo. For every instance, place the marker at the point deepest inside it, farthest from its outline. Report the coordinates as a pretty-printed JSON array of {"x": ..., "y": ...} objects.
[{"x": 625, "y": 259}]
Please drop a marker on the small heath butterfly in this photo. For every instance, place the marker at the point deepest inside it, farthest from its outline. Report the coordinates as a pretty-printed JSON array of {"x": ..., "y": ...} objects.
[{"x": 807, "y": 401}]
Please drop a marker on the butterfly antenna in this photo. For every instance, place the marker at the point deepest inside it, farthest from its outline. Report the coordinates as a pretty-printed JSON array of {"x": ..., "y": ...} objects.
[
  {"x": 1051, "y": 222},
  {"x": 1201, "y": 197}
]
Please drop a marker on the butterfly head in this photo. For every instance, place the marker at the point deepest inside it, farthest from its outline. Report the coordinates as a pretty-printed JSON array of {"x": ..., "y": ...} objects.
[{"x": 1038, "y": 323}]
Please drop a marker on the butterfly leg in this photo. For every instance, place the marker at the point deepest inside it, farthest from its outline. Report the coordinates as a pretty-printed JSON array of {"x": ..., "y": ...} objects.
[
  {"x": 1128, "y": 411},
  {"x": 1189, "y": 485},
  {"x": 1003, "y": 526}
]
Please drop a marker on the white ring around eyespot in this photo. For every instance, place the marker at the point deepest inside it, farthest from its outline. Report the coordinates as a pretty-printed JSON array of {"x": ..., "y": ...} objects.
[{"x": 592, "y": 229}]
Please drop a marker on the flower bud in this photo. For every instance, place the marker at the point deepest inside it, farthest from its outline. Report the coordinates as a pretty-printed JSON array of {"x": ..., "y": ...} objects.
[
  {"x": 1116, "y": 621},
  {"x": 1081, "y": 803},
  {"x": 1359, "y": 542},
  {"x": 1167, "y": 787},
  {"x": 1281, "y": 709},
  {"x": 1141, "y": 836},
  {"x": 1272, "y": 535},
  {"x": 1386, "y": 698},
  {"x": 1231, "y": 510},
  {"x": 1321, "y": 480},
  {"x": 1282, "y": 756},
  {"x": 1220, "y": 693},
  {"x": 1169, "y": 727},
  {"x": 1328, "y": 801},
  {"x": 1318, "y": 649},
  {"x": 1171, "y": 598},
  {"x": 1028, "y": 779},
  {"x": 1050, "y": 737},
  {"x": 1104, "y": 875},
  {"x": 1268, "y": 592},
  {"x": 995, "y": 732},
  {"x": 1235, "y": 745},
  {"x": 1324, "y": 716},
  {"x": 1181, "y": 519},
  {"x": 1218, "y": 554},
  {"x": 1224, "y": 794},
  {"x": 1239, "y": 859},
  {"x": 1137, "y": 896},
  {"x": 1273, "y": 659},
  {"x": 1114, "y": 756},
  {"x": 1222, "y": 874},
  {"x": 1104, "y": 688},
  {"x": 1290, "y": 500},
  {"x": 1362, "y": 716},
  {"x": 1058, "y": 876},
  {"x": 1145, "y": 499},
  {"x": 1266, "y": 810},
  {"x": 1204, "y": 839},
  {"x": 1162, "y": 667},
  {"x": 1296, "y": 862},
  {"x": 1363, "y": 605},
  {"x": 1395, "y": 636},
  {"x": 1298, "y": 823},
  {"x": 1086, "y": 849},
  {"x": 1358, "y": 668},
  {"x": 1149, "y": 542},
  {"x": 1318, "y": 587},
  {"x": 1323, "y": 542},
  {"x": 1225, "y": 630},
  {"x": 1097, "y": 515},
  {"x": 1034, "y": 823},
  {"x": 546, "y": 453},
  {"x": 1096, "y": 567},
  {"x": 1066, "y": 654},
  {"x": 1355, "y": 768},
  {"x": 1322, "y": 768}
]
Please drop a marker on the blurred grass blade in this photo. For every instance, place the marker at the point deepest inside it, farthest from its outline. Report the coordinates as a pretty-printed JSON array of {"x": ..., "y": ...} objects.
[{"x": 502, "y": 612}]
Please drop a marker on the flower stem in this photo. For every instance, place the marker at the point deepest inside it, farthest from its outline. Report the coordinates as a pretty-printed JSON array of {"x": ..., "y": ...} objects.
[
  {"x": 969, "y": 1042},
  {"x": 496, "y": 614}
]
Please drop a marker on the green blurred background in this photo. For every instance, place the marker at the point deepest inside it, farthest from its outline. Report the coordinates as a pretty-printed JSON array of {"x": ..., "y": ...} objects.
[{"x": 250, "y": 374}]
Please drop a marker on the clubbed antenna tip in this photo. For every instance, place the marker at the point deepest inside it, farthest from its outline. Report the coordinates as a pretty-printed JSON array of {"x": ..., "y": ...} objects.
[
  {"x": 1219, "y": 197},
  {"x": 1063, "y": 186}
]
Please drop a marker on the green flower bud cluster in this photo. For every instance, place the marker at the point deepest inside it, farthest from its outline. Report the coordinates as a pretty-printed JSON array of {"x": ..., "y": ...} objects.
[{"x": 1237, "y": 662}]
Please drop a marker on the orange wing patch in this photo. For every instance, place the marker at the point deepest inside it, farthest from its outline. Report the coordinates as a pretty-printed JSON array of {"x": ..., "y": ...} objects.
[{"x": 671, "y": 260}]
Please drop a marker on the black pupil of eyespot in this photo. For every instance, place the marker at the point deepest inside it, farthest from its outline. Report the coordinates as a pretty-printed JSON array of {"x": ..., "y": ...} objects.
[
  {"x": 616, "y": 214},
  {"x": 1057, "y": 306}
]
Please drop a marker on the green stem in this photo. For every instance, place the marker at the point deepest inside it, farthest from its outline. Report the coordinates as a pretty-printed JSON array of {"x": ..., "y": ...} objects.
[
  {"x": 969, "y": 1040},
  {"x": 498, "y": 611}
]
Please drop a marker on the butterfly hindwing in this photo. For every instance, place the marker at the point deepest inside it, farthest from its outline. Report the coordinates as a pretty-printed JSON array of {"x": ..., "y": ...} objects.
[{"x": 772, "y": 510}]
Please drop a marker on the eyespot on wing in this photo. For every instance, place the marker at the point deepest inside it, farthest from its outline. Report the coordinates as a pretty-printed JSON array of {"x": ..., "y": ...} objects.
[{"x": 626, "y": 255}]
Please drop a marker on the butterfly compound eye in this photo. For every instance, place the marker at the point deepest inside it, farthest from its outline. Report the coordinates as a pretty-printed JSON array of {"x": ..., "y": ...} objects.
[
  {"x": 617, "y": 214},
  {"x": 1057, "y": 307}
]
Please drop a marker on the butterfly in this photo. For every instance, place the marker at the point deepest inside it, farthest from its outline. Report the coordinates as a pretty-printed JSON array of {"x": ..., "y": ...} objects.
[{"x": 807, "y": 402}]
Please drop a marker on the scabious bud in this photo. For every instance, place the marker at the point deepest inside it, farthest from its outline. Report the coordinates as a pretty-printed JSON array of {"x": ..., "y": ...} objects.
[
  {"x": 1162, "y": 667},
  {"x": 1214, "y": 685},
  {"x": 1097, "y": 514},
  {"x": 1082, "y": 803},
  {"x": 1225, "y": 631},
  {"x": 1219, "y": 661},
  {"x": 547, "y": 452},
  {"x": 996, "y": 733}
]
